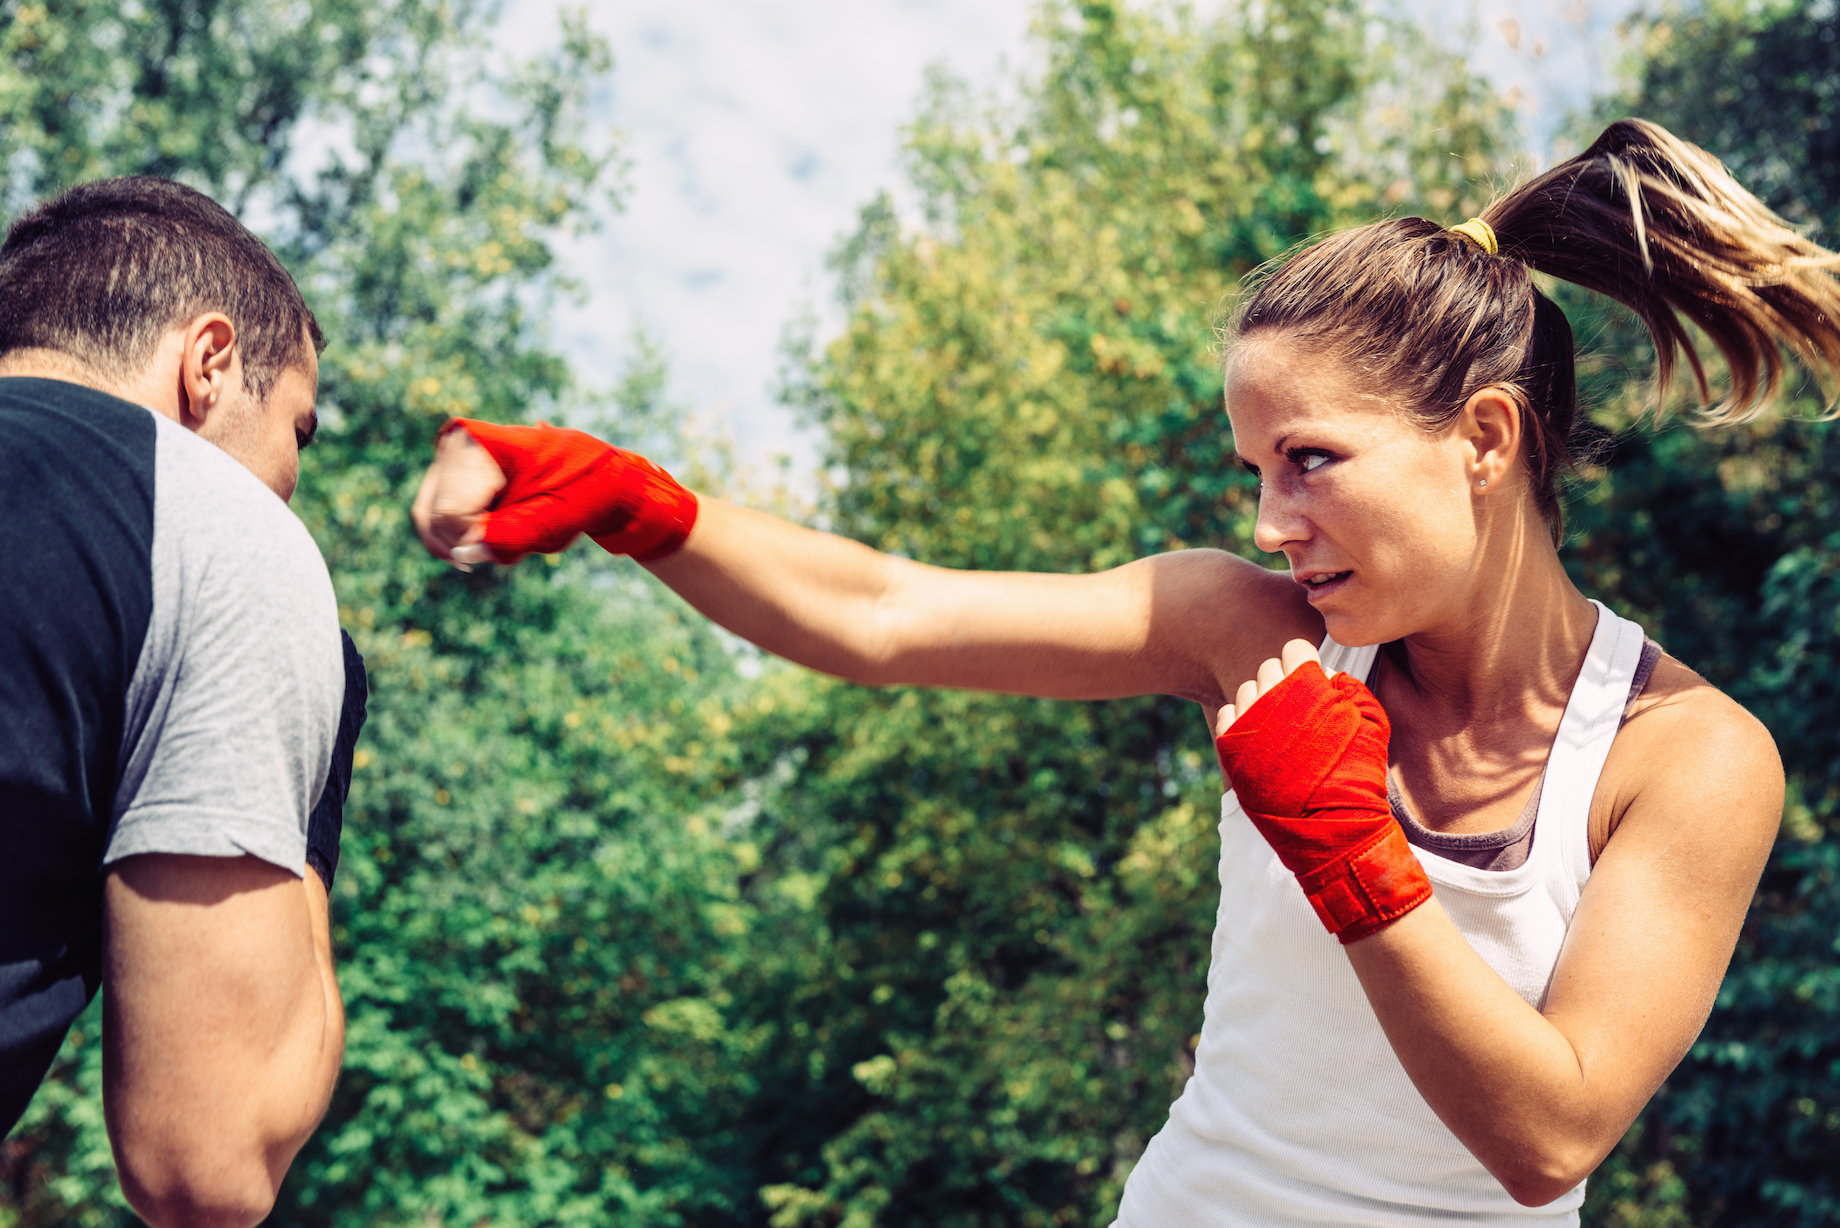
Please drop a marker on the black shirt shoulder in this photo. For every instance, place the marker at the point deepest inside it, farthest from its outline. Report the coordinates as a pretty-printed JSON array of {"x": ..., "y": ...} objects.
[{"x": 77, "y": 500}]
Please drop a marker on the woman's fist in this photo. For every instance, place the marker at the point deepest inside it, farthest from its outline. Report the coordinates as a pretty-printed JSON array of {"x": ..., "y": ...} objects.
[
  {"x": 1306, "y": 757},
  {"x": 497, "y": 493}
]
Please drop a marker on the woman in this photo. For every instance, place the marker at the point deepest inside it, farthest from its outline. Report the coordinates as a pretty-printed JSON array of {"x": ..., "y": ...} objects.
[{"x": 1534, "y": 834}]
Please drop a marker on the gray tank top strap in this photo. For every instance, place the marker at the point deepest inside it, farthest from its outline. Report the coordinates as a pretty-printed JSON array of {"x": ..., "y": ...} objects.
[{"x": 1355, "y": 662}]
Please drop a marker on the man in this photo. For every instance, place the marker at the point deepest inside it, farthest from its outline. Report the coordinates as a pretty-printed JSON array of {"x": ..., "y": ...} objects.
[{"x": 172, "y": 689}]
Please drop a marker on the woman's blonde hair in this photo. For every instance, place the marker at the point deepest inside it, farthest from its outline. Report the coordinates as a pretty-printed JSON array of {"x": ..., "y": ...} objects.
[{"x": 1641, "y": 216}]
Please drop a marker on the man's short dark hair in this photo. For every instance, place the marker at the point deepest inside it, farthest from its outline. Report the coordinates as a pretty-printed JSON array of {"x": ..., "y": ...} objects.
[{"x": 104, "y": 270}]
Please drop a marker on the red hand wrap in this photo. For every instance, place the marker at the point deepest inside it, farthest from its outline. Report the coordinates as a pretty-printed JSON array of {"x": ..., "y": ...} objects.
[
  {"x": 561, "y": 483},
  {"x": 1308, "y": 764}
]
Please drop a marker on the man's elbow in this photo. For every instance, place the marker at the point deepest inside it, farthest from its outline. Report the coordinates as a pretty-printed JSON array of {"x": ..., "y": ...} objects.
[{"x": 203, "y": 1186}]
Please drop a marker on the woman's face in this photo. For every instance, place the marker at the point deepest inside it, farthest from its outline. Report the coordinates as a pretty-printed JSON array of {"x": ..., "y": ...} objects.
[{"x": 1375, "y": 514}]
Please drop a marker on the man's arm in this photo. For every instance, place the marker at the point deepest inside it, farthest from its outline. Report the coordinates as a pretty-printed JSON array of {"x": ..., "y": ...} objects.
[{"x": 222, "y": 1032}]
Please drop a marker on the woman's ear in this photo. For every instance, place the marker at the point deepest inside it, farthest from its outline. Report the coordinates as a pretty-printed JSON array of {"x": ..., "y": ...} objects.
[{"x": 1491, "y": 429}]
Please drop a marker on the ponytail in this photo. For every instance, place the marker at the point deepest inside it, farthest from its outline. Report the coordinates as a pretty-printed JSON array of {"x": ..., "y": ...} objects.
[
  {"x": 1658, "y": 224},
  {"x": 1642, "y": 217}
]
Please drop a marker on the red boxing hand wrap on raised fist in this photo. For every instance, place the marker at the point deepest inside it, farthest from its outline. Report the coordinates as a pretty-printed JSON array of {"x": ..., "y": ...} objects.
[
  {"x": 561, "y": 483},
  {"x": 1308, "y": 764}
]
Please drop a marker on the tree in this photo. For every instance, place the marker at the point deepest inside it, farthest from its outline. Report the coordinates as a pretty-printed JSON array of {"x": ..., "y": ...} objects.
[
  {"x": 1723, "y": 545},
  {"x": 1018, "y": 895},
  {"x": 538, "y": 905}
]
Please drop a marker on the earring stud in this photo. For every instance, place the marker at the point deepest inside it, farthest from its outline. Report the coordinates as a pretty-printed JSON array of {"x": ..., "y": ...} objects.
[{"x": 1483, "y": 482}]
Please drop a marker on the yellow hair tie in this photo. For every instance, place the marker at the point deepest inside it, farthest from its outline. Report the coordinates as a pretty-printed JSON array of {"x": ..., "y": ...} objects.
[{"x": 1480, "y": 233}]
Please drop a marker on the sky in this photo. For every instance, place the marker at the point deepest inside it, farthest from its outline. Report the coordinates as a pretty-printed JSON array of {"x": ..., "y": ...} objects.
[{"x": 757, "y": 129}]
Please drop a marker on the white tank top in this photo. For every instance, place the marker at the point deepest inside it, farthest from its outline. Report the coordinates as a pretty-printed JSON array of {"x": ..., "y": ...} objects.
[{"x": 1299, "y": 1112}]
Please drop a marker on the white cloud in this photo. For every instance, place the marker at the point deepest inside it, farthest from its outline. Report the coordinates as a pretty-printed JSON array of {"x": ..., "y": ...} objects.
[
  {"x": 757, "y": 130},
  {"x": 1550, "y": 56}
]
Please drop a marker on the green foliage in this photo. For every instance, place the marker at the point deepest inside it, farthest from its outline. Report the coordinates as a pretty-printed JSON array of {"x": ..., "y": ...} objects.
[
  {"x": 1723, "y": 545},
  {"x": 539, "y": 923},
  {"x": 1754, "y": 83},
  {"x": 636, "y": 930},
  {"x": 1635, "y": 1189},
  {"x": 1019, "y": 894},
  {"x": 1043, "y": 356},
  {"x": 1003, "y": 1004},
  {"x": 208, "y": 92}
]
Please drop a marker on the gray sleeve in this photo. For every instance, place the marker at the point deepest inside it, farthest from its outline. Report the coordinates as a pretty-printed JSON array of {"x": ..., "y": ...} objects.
[{"x": 234, "y": 703}]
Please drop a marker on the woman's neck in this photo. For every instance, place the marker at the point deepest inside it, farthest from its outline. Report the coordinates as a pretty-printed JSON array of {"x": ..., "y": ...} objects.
[{"x": 1511, "y": 654}]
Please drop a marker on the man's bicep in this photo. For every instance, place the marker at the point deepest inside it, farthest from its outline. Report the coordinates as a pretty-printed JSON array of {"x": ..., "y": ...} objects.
[
  {"x": 206, "y": 958},
  {"x": 219, "y": 1031}
]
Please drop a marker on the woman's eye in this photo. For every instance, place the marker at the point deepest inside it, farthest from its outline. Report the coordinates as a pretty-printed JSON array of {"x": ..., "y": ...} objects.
[{"x": 1307, "y": 459}]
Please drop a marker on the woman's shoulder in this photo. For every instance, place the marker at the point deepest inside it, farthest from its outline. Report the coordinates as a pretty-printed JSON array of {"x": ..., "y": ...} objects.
[
  {"x": 1229, "y": 612},
  {"x": 1677, "y": 706},
  {"x": 1690, "y": 756}
]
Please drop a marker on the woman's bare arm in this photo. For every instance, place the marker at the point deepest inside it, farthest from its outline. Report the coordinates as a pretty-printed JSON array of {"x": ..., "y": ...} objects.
[
  {"x": 1540, "y": 1097},
  {"x": 1179, "y": 624},
  {"x": 1170, "y": 624}
]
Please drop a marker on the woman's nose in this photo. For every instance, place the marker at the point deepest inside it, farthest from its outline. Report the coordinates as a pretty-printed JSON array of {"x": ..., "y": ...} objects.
[{"x": 1278, "y": 524}]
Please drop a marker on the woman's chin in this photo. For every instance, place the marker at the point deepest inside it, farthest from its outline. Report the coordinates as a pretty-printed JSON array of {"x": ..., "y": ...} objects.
[{"x": 1352, "y": 630}]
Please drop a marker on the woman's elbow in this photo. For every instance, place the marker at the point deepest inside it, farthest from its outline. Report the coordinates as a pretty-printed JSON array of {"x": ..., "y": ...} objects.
[
  {"x": 872, "y": 657},
  {"x": 222, "y": 1186},
  {"x": 1537, "y": 1192},
  {"x": 1547, "y": 1174}
]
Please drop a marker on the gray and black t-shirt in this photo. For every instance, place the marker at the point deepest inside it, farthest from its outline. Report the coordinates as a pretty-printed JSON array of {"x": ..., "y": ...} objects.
[{"x": 170, "y": 682}]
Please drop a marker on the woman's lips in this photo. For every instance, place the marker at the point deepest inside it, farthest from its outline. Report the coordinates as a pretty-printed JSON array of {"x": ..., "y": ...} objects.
[{"x": 1322, "y": 583}]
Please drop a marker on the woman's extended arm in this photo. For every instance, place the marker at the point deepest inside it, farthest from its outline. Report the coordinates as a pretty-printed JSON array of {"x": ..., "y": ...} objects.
[
  {"x": 1178, "y": 624},
  {"x": 1158, "y": 625}
]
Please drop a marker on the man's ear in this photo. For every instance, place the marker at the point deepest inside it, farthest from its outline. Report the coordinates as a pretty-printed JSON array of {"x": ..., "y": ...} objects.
[
  {"x": 207, "y": 367},
  {"x": 1493, "y": 425}
]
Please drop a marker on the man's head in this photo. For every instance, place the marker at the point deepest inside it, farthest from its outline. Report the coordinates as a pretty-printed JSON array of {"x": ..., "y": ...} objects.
[{"x": 147, "y": 289}]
